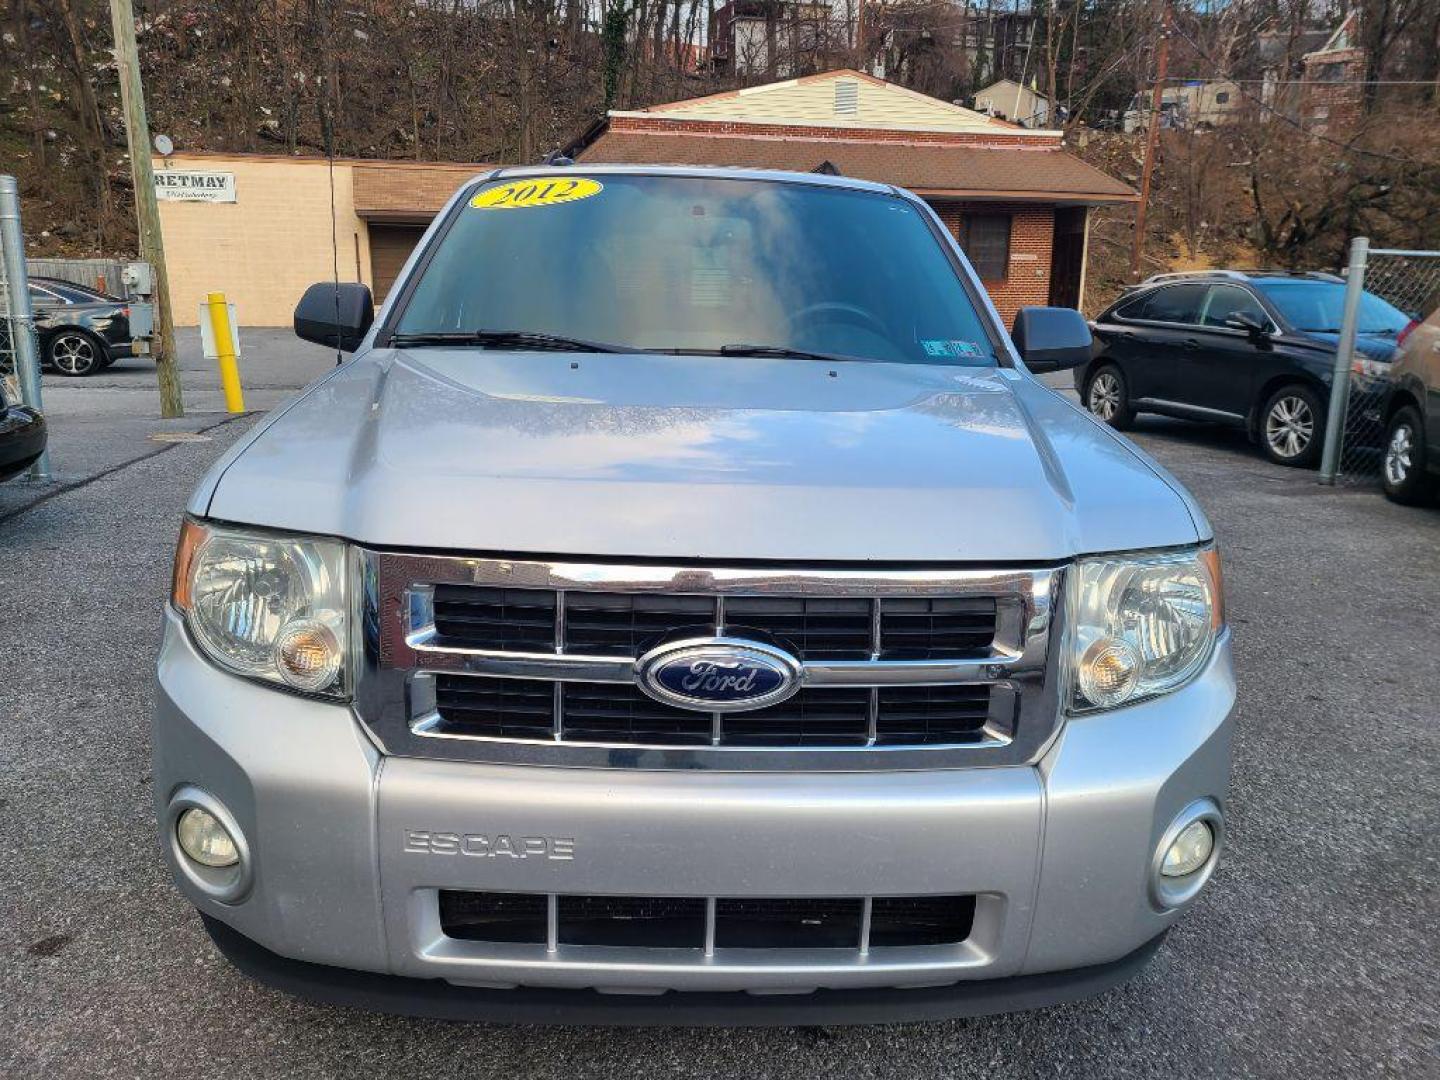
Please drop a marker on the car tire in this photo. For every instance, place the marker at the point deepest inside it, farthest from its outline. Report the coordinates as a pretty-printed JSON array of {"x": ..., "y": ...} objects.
[
  {"x": 75, "y": 354},
  {"x": 1107, "y": 397},
  {"x": 1292, "y": 427},
  {"x": 1403, "y": 471}
]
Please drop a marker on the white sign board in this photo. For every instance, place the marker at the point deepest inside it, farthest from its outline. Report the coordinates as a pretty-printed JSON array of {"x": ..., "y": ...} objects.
[
  {"x": 207, "y": 333},
  {"x": 183, "y": 185}
]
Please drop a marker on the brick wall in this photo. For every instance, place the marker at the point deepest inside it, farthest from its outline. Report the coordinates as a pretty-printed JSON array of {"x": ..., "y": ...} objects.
[
  {"x": 750, "y": 130},
  {"x": 1032, "y": 238},
  {"x": 1333, "y": 96}
]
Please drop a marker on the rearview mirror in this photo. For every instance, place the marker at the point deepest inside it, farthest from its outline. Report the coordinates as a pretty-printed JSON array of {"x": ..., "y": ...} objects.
[
  {"x": 337, "y": 314},
  {"x": 1051, "y": 338}
]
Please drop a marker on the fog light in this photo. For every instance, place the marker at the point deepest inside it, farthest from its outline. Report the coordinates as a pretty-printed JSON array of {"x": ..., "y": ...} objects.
[
  {"x": 307, "y": 655},
  {"x": 204, "y": 839},
  {"x": 1109, "y": 671},
  {"x": 1189, "y": 851}
]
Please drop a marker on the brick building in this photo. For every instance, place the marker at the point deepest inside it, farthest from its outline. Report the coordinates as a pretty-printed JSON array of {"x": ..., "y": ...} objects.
[
  {"x": 1332, "y": 98},
  {"x": 1017, "y": 202}
]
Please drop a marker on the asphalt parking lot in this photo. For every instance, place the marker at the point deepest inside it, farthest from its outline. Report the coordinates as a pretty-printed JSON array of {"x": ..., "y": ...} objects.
[{"x": 1312, "y": 954}]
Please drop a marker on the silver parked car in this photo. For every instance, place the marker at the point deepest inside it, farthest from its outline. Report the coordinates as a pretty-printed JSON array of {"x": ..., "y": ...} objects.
[{"x": 687, "y": 607}]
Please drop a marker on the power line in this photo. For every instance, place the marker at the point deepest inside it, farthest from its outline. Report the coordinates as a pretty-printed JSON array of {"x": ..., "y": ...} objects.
[{"x": 1306, "y": 82}]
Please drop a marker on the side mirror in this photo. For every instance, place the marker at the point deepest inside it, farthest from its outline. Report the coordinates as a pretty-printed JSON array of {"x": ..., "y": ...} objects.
[
  {"x": 335, "y": 314},
  {"x": 1051, "y": 338},
  {"x": 1243, "y": 320}
]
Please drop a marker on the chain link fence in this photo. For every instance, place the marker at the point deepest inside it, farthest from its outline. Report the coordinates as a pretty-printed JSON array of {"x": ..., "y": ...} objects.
[
  {"x": 1409, "y": 281},
  {"x": 9, "y": 328}
]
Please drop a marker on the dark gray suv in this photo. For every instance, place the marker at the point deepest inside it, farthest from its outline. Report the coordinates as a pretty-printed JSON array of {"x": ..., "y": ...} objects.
[{"x": 1255, "y": 349}]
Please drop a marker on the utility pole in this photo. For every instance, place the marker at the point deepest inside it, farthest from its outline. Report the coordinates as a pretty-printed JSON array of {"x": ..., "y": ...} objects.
[
  {"x": 147, "y": 213},
  {"x": 860, "y": 36},
  {"x": 1152, "y": 138}
]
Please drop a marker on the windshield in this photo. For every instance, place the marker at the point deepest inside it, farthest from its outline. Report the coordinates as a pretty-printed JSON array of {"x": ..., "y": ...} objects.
[
  {"x": 1319, "y": 307},
  {"x": 699, "y": 264}
]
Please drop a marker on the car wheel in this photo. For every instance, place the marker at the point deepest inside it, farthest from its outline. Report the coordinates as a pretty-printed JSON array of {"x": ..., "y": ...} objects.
[
  {"x": 1292, "y": 428},
  {"x": 74, "y": 353},
  {"x": 1403, "y": 473},
  {"x": 1107, "y": 396}
]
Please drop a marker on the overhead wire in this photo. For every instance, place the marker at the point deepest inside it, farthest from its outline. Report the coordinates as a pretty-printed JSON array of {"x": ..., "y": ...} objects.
[{"x": 1347, "y": 147}]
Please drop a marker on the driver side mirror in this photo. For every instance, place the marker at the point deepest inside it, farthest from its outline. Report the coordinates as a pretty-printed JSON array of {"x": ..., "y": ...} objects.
[
  {"x": 337, "y": 314},
  {"x": 1051, "y": 338},
  {"x": 1243, "y": 320}
]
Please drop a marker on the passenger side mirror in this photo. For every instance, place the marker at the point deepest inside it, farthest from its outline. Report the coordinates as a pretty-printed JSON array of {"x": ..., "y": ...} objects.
[
  {"x": 1243, "y": 320},
  {"x": 1051, "y": 338},
  {"x": 337, "y": 314}
]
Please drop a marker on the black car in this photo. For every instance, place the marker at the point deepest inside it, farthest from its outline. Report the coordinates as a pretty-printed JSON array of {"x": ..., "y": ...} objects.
[
  {"x": 22, "y": 436},
  {"x": 1254, "y": 349},
  {"x": 81, "y": 330}
]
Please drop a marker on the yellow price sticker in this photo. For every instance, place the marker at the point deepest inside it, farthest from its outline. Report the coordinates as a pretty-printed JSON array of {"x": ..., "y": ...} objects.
[{"x": 536, "y": 191}]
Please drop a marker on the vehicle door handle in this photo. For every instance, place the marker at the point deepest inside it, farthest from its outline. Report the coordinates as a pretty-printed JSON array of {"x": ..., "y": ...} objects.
[{"x": 1190, "y": 343}]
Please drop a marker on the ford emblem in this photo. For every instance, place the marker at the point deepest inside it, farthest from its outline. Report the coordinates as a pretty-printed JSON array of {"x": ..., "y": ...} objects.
[{"x": 718, "y": 674}]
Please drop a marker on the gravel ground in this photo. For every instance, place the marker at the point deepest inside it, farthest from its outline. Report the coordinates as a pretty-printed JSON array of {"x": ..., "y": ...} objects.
[{"x": 1312, "y": 955}]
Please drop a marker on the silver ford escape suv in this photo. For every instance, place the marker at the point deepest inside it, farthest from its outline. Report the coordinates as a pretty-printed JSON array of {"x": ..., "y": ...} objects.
[{"x": 687, "y": 606}]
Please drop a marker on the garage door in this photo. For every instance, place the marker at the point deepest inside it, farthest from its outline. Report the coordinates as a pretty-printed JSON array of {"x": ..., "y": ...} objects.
[{"x": 390, "y": 246}]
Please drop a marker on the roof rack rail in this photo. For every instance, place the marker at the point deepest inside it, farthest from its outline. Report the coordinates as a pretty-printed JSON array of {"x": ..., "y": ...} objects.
[{"x": 1231, "y": 275}]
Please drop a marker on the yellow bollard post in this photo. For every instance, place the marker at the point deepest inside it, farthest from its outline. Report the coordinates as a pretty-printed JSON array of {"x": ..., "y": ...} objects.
[{"x": 225, "y": 352}]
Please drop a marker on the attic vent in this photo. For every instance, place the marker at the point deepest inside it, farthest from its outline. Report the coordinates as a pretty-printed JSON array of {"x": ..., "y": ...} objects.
[{"x": 847, "y": 97}]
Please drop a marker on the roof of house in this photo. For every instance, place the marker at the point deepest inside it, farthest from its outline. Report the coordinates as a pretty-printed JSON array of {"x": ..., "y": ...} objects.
[
  {"x": 816, "y": 101},
  {"x": 1046, "y": 174},
  {"x": 413, "y": 192},
  {"x": 1010, "y": 86}
]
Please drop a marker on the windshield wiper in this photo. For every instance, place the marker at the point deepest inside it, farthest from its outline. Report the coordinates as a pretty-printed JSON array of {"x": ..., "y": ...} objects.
[
  {"x": 507, "y": 339},
  {"x": 743, "y": 349}
]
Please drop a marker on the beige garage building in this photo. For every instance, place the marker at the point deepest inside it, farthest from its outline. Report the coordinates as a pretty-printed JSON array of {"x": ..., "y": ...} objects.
[{"x": 257, "y": 227}]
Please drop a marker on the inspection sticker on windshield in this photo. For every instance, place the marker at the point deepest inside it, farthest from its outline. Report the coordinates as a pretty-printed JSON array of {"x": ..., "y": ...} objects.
[
  {"x": 933, "y": 347},
  {"x": 536, "y": 191}
]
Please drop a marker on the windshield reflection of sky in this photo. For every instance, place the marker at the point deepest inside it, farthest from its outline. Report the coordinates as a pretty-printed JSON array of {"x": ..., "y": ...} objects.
[{"x": 698, "y": 263}]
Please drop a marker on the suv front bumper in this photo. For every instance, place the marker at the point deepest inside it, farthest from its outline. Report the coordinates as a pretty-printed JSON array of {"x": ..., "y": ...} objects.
[{"x": 1059, "y": 855}]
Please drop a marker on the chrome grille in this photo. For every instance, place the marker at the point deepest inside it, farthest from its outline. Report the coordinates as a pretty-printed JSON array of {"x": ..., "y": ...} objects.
[
  {"x": 535, "y": 662},
  {"x": 630, "y": 624}
]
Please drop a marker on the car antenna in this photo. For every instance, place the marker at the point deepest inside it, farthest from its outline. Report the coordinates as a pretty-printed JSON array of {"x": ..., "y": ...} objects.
[{"x": 327, "y": 124}]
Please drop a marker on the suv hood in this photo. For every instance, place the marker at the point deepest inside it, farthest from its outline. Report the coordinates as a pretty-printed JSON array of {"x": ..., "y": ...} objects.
[{"x": 697, "y": 457}]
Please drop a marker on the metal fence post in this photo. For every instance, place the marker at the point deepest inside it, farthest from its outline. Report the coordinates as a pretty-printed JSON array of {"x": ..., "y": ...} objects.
[
  {"x": 22, "y": 321},
  {"x": 1344, "y": 358}
]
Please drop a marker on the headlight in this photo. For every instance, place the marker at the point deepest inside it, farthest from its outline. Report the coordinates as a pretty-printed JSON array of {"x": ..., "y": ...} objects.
[
  {"x": 1140, "y": 625},
  {"x": 266, "y": 605}
]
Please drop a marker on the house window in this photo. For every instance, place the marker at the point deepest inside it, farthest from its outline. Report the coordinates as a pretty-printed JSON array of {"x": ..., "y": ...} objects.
[{"x": 985, "y": 239}]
